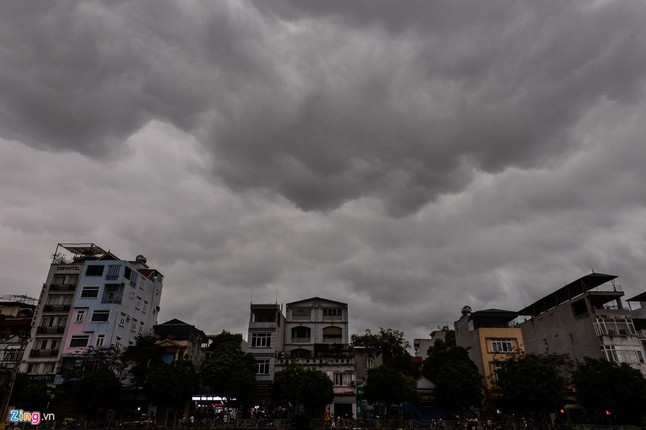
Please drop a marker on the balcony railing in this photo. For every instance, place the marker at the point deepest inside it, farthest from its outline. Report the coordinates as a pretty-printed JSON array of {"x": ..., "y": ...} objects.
[
  {"x": 56, "y": 308},
  {"x": 43, "y": 353},
  {"x": 62, "y": 287},
  {"x": 50, "y": 330}
]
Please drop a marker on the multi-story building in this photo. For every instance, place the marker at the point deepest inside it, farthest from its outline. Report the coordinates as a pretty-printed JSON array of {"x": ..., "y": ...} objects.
[
  {"x": 181, "y": 341},
  {"x": 266, "y": 337},
  {"x": 91, "y": 298},
  {"x": 316, "y": 336},
  {"x": 313, "y": 333},
  {"x": 16, "y": 313},
  {"x": 490, "y": 341},
  {"x": 585, "y": 318}
]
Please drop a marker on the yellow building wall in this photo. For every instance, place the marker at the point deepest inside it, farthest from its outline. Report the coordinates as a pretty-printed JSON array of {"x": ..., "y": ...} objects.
[{"x": 489, "y": 356}]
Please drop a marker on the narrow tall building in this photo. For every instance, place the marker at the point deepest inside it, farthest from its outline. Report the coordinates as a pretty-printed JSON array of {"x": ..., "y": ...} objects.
[{"x": 90, "y": 298}]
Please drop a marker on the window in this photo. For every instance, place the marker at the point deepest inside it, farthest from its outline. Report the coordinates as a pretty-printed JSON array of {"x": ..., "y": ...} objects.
[
  {"x": 33, "y": 368},
  {"x": 138, "y": 303},
  {"x": 332, "y": 312},
  {"x": 117, "y": 342},
  {"x": 133, "y": 326},
  {"x": 90, "y": 292},
  {"x": 494, "y": 368},
  {"x": 72, "y": 279},
  {"x": 262, "y": 367},
  {"x": 122, "y": 320},
  {"x": 113, "y": 272},
  {"x": 261, "y": 340},
  {"x": 94, "y": 270},
  {"x": 100, "y": 316},
  {"x": 342, "y": 379},
  {"x": 62, "y": 321},
  {"x": 127, "y": 272},
  {"x": 502, "y": 345},
  {"x": 58, "y": 280},
  {"x": 48, "y": 367},
  {"x": 79, "y": 341},
  {"x": 80, "y": 315},
  {"x": 300, "y": 334},
  {"x": 99, "y": 340},
  {"x": 145, "y": 308},
  {"x": 133, "y": 279},
  {"x": 332, "y": 334},
  {"x": 301, "y": 313},
  {"x": 141, "y": 327}
]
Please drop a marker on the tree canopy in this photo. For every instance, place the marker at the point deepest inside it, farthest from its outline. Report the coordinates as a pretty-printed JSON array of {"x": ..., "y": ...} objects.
[
  {"x": 616, "y": 388},
  {"x": 309, "y": 388},
  {"x": 391, "y": 344},
  {"x": 532, "y": 383},
  {"x": 389, "y": 386},
  {"x": 231, "y": 373},
  {"x": 458, "y": 385}
]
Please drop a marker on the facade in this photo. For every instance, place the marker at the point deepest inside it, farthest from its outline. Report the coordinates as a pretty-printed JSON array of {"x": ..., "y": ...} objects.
[
  {"x": 585, "y": 318},
  {"x": 489, "y": 340},
  {"x": 90, "y": 298},
  {"x": 314, "y": 333},
  {"x": 181, "y": 341},
  {"x": 16, "y": 313},
  {"x": 266, "y": 337}
]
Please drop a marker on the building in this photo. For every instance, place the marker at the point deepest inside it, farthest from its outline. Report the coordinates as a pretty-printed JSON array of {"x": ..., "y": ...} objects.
[
  {"x": 181, "y": 341},
  {"x": 16, "y": 313},
  {"x": 422, "y": 345},
  {"x": 90, "y": 298},
  {"x": 266, "y": 337},
  {"x": 314, "y": 333},
  {"x": 490, "y": 340},
  {"x": 585, "y": 318}
]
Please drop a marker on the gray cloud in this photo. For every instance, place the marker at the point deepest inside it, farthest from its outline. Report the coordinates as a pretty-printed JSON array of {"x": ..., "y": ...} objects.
[{"x": 406, "y": 160}]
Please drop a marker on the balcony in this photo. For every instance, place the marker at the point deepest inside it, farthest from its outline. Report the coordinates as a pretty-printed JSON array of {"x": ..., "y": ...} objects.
[
  {"x": 50, "y": 330},
  {"x": 43, "y": 353},
  {"x": 56, "y": 308},
  {"x": 62, "y": 288}
]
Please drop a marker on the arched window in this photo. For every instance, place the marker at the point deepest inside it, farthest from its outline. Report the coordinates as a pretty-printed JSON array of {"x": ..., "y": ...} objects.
[
  {"x": 332, "y": 335},
  {"x": 301, "y": 334}
]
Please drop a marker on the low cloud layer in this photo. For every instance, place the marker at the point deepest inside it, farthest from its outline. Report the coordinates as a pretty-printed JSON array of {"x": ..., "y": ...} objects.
[{"x": 406, "y": 160}]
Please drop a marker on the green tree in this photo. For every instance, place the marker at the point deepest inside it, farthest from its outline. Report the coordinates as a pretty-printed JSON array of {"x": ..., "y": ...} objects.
[
  {"x": 96, "y": 392},
  {"x": 171, "y": 386},
  {"x": 606, "y": 386},
  {"x": 225, "y": 338},
  {"x": 231, "y": 373},
  {"x": 392, "y": 345},
  {"x": 142, "y": 357},
  {"x": 308, "y": 389},
  {"x": 532, "y": 383},
  {"x": 29, "y": 395},
  {"x": 389, "y": 386},
  {"x": 458, "y": 385}
]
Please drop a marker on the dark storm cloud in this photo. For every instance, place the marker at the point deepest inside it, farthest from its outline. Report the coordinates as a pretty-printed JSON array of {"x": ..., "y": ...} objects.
[{"x": 323, "y": 102}]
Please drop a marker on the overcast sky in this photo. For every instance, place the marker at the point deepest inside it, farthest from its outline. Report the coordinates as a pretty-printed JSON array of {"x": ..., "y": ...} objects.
[{"x": 408, "y": 158}]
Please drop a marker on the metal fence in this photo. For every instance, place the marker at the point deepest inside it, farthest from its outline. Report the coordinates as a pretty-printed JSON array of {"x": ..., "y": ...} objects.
[{"x": 381, "y": 424}]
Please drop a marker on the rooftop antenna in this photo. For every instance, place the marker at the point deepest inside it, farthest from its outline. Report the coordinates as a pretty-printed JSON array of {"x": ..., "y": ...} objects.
[{"x": 276, "y": 286}]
